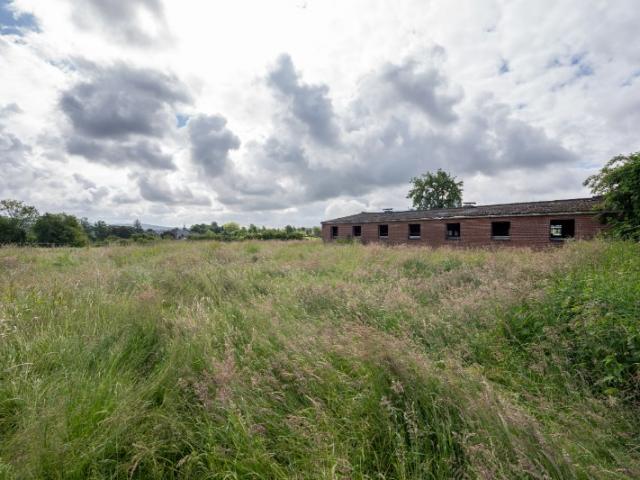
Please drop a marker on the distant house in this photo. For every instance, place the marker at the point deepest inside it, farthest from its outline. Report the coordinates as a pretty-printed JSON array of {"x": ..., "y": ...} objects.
[
  {"x": 176, "y": 233},
  {"x": 532, "y": 224}
]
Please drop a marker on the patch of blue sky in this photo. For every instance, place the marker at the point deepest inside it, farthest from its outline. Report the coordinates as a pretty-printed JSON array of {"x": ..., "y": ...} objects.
[
  {"x": 631, "y": 79},
  {"x": 181, "y": 120},
  {"x": 13, "y": 23}
]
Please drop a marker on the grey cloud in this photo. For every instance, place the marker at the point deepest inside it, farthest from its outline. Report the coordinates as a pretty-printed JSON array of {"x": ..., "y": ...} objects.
[
  {"x": 121, "y": 20},
  {"x": 124, "y": 199},
  {"x": 9, "y": 109},
  {"x": 95, "y": 193},
  {"x": 18, "y": 173},
  {"x": 120, "y": 115},
  {"x": 389, "y": 143},
  {"x": 142, "y": 153},
  {"x": 83, "y": 181},
  {"x": 156, "y": 189},
  {"x": 211, "y": 142},
  {"x": 121, "y": 101},
  {"x": 308, "y": 104},
  {"x": 422, "y": 86}
]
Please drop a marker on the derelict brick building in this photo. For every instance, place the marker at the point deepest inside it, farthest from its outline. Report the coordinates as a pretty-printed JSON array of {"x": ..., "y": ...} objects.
[{"x": 531, "y": 224}]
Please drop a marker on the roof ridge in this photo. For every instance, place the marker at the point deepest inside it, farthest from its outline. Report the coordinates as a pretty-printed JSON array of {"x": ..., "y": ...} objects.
[
  {"x": 515, "y": 208},
  {"x": 484, "y": 205}
]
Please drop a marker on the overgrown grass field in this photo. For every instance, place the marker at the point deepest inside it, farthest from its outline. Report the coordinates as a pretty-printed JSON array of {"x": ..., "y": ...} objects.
[{"x": 302, "y": 360}]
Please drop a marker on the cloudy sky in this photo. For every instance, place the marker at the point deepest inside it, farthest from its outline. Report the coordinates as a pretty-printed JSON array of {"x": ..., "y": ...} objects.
[{"x": 292, "y": 111}]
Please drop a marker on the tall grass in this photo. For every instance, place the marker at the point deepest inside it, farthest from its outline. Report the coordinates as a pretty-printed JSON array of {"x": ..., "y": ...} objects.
[{"x": 303, "y": 360}]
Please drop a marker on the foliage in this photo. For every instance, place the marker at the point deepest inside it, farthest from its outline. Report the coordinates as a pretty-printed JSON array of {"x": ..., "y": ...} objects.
[
  {"x": 24, "y": 215},
  {"x": 16, "y": 221},
  {"x": 303, "y": 360},
  {"x": 17, "y": 227},
  {"x": 59, "y": 229},
  {"x": 619, "y": 184},
  {"x": 589, "y": 318},
  {"x": 10, "y": 231},
  {"x": 439, "y": 190},
  {"x": 231, "y": 227},
  {"x": 235, "y": 232}
]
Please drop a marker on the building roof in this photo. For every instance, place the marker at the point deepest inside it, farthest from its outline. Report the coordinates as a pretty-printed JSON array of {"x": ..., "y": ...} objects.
[{"x": 552, "y": 207}]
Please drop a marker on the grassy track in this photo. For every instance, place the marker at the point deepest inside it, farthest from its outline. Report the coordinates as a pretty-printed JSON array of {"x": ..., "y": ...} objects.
[{"x": 300, "y": 360}]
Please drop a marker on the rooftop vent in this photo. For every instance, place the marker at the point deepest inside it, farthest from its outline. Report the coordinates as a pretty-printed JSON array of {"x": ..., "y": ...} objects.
[
  {"x": 387, "y": 210},
  {"x": 469, "y": 204}
]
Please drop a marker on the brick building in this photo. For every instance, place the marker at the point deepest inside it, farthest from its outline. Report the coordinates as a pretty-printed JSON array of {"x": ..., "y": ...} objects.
[{"x": 532, "y": 224}]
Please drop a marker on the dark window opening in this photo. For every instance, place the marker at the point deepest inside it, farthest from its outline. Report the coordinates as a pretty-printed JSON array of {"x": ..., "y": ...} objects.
[
  {"x": 560, "y": 229},
  {"x": 500, "y": 230},
  {"x": 383, "y": 231},
  {"x": 357, "y": 231},
  {"x": 453, "y": 231},
  {"x": 414, "y": 230},
  {"x": 334, "y": 232}
]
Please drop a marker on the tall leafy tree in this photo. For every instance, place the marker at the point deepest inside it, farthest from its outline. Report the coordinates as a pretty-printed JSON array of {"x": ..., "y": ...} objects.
[
  {"x": 24, "y": 215},
  {"x": 16, "y": 220},
  {"x": 619, "y": 184},
  {"x": 60, "y": 229},
  {"x": 435, "y": 190}
]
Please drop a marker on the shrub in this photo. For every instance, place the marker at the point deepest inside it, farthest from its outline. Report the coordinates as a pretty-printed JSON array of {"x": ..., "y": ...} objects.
[{"x": 619, "y": 184}]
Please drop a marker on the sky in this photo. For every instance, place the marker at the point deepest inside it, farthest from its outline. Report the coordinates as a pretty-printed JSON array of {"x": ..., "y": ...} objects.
[{"x": 295, "y": 111}]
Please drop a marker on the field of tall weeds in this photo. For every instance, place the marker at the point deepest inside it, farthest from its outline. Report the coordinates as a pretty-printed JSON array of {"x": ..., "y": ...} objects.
[{"x": 303, "y": 360}]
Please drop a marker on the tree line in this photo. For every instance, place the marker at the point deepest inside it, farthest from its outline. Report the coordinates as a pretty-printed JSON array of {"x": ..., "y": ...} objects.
[
  {"x": 22, "y": 224},
  {"x": 617, "y": 183}
]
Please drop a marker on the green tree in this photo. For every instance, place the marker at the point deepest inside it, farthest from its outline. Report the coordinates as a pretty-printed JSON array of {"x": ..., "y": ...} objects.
[
  {"x": 101, "y": 230},
  {"x": 435, "y": 190},
  {"x": 88, "y": 228},
  {"x": 619, "y": 184},
  {"x": 60, "y": 229},
  {"x": 200, "y": 228},
  {"x": 137, "y": 226},
  {"x": 231, "y": 227},
  {"x": 25, "y": 215},
  {"x": 16, "y": 221},
  {"x": 10, "y": 231}
]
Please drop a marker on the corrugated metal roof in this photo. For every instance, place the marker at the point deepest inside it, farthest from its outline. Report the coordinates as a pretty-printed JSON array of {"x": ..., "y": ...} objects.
[{"x": 551, "y": 207}]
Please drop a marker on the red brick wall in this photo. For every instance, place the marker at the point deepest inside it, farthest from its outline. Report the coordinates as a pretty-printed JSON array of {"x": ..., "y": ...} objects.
[{"x": 529, "y": 231}]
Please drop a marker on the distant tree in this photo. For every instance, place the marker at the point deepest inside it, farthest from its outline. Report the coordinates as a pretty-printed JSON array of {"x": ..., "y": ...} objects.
[
  {"x": 60, "y": 229},
  {"x": 10, "y": 231},
  {"x": 289, "y": 229},
  {"x": 137, "y": 226},
  {"x": 24, "y": 215},
  {"x": 619, "y": 184},
  {"x": 231, "y": 227},
  {"x": 121, "y": 231},
  {"x": 435, "y": 190},
  {"x": 215, "y": 228},
  {"x": 88, "y": 228},
  {"x": 101, "y": 230},
  {"x": 16, "y": 221},
  {"x": 200, "y": 228}
]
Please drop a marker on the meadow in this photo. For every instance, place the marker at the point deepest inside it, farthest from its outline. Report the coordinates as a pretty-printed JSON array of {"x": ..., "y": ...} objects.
[{"x": 301, "y": 360}]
